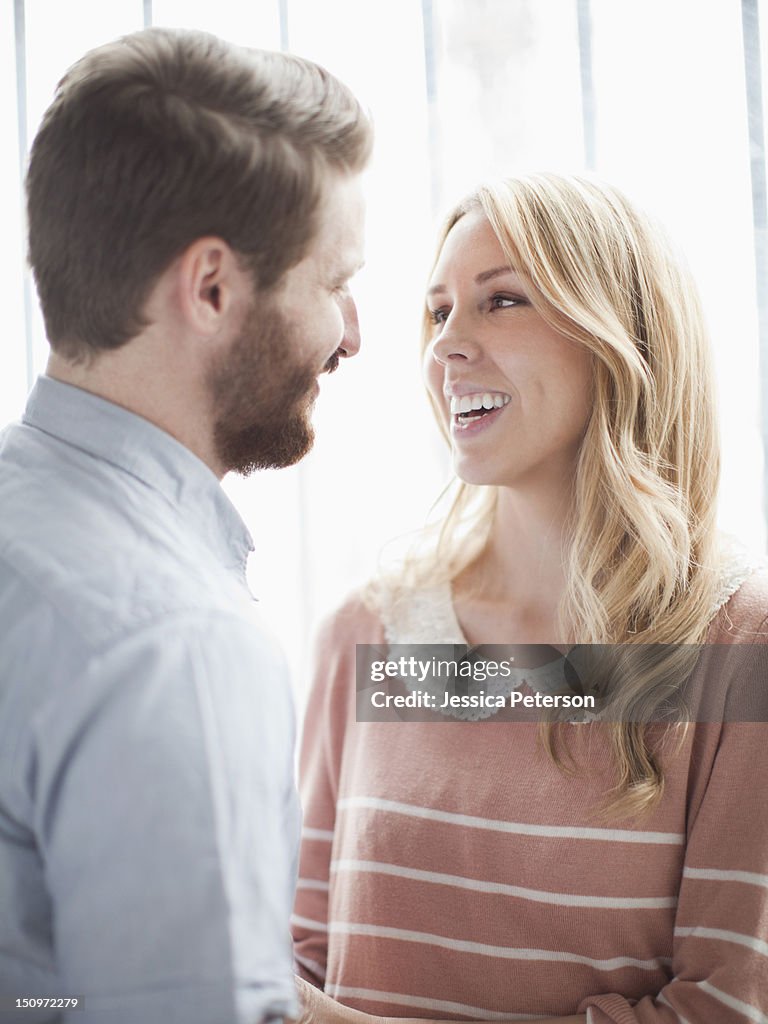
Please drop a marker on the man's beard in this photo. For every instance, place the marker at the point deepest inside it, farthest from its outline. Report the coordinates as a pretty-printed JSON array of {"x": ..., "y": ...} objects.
[{"x": 262, "y": 396}]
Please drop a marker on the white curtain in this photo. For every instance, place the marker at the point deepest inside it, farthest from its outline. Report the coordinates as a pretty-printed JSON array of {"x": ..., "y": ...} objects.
[{"x": 652, "y": 93}]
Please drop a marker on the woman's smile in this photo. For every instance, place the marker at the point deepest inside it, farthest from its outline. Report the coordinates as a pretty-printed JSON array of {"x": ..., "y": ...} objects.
[{"x": 472, "y": 414}]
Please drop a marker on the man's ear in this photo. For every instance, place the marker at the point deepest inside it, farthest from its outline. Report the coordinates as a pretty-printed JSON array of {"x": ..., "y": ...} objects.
[{"x": 212, "y": 290}]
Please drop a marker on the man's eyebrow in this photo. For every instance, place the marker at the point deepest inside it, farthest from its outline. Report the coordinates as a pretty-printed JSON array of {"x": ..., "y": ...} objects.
[
  {"x": 481, "y": 278},
  {"x": 342, "y": 273},
  {"x": 350, "y": 269}
]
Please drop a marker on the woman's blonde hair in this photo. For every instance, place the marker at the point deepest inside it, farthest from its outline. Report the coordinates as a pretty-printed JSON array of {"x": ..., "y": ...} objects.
[{"x": 641, "y": 560}]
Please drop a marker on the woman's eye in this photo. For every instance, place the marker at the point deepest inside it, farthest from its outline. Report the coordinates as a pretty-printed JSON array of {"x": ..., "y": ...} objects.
[
  {"x": 506, "y": 301},
  {"x": 438, "y": 316}
]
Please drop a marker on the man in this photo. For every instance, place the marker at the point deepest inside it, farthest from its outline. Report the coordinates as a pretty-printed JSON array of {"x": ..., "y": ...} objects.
[{"x": 194, "y": 218}]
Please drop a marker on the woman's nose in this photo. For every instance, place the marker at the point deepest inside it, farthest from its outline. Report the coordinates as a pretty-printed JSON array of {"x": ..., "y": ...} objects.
[{"x": 454, "y": 343}]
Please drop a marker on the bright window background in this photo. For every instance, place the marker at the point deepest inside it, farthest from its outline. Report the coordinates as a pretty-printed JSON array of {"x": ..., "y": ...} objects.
[{"x": 653, "y": 93}]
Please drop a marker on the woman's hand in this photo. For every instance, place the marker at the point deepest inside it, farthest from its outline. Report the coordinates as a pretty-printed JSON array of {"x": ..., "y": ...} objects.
[{"x": 319, "y": 1008}]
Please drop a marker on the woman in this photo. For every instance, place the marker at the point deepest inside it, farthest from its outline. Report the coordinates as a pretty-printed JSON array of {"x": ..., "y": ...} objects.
[{"x": 614, "y": 871}]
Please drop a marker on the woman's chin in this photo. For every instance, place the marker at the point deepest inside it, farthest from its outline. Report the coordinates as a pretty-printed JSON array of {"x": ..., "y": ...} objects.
[{"x": 470, "y": 472}]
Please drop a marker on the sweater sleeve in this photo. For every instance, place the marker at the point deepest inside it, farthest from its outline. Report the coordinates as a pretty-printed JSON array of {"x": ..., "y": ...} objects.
[
  {"x": 329, "y": 713},
  {"x": 720, "y": 943}
]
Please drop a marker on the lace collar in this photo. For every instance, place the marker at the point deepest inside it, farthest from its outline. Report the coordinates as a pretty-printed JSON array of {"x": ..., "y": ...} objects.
[{"x": 428, "y": 616}]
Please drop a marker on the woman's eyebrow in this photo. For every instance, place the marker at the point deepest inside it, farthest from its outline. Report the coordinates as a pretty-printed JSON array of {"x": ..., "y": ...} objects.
[{"x": 484, "y": 275}]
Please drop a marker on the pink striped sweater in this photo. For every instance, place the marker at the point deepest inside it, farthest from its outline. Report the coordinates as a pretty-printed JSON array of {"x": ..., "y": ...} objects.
[{"x": 450, "y": 870}]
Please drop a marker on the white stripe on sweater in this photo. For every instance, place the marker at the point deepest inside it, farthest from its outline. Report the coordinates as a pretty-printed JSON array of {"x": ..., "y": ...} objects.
[
  {"x": 325, "y": 835},
  {"x": 308, "y": 923},
  {"x": 663, "y": 999},
  {"x": 311, "y": 965},
  {"x": 612, "y": 835},
  {"x": 562, "y": 899},
  {"x": 757, "y": 945},
  {"x": 749, "y": 1011},
  {"x": 423, "y": 1003},
  {"x": 484, "y": 949},
  {"x": 716, "y": 875},
  {"x": 312, "y": 883}
]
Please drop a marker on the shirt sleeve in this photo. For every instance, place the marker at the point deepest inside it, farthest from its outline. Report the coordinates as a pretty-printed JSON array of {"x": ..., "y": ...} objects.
[
  {"x": 325, "y": 723},
  {"x": 167, "y": 820},
  {"x": 720, "y": 944}
]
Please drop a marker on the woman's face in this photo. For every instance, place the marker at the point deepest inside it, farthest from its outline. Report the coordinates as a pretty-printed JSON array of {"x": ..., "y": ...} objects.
[{"x": 515, "y": 394}]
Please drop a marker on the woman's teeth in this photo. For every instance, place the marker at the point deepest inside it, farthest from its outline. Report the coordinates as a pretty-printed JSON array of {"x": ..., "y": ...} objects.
[{"x": 478, "y": 404}]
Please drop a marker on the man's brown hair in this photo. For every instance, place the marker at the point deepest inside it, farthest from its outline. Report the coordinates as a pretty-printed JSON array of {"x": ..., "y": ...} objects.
[{"x": 167, "y": 136}]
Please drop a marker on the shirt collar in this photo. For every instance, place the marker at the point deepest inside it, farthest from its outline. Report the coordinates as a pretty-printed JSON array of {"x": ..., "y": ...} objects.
[{"x": 138, "y": 447}]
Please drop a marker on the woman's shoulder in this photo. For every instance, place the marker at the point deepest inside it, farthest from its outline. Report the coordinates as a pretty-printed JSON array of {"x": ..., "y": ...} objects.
[
  {"x": 741, "y": 611},
  {"x": 415, "y": 614},
  {"x": 334, "y": 662},
  {"x": 355, "y": 620},
  {"x": 386, "y": 611}
]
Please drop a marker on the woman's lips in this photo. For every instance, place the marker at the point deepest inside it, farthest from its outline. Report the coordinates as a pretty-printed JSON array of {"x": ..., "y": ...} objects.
[{"x": 472, "y": 426}]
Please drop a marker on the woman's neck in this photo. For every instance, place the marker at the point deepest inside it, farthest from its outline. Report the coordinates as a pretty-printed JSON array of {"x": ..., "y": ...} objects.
[{"x": 512, "y": 591}]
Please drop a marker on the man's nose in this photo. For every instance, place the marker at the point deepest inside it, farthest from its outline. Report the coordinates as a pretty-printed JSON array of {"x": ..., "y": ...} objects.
[{"x": 350, "y": 342}]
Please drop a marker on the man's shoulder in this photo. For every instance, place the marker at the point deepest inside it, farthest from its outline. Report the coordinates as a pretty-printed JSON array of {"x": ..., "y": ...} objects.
[
  {"x": 222, "y": 655},
  {"x": 99, "y": 549}
]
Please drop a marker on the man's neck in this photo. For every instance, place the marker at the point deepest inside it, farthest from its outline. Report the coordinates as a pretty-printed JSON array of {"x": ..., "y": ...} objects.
[{"x": 166, "y": 399}]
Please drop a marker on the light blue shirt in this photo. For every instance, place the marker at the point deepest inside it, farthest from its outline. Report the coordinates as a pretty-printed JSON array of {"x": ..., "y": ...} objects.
[{"x": 148, "y": 815}]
